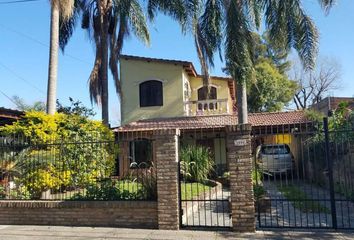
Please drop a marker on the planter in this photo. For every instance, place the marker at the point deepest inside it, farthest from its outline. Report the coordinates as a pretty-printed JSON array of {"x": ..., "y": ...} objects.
[{"x": 263, "y": 204}]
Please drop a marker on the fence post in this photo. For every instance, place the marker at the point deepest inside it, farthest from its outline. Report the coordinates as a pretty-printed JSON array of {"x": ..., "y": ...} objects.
[
  {"x": 240, "y": 165},
  {"x": 167, "y": 178},
  {"x": 330, "y": 174}
]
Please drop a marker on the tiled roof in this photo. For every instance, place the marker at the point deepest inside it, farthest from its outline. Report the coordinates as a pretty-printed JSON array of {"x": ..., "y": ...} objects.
[
  {"x": 188, "y": 66},
  {"x": 10, "y": 113},
  {"x": 215, "y": 121}
]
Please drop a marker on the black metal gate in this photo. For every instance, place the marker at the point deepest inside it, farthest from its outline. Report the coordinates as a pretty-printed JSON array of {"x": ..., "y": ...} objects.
[
  {"x": 304, "y": 176},
  {"x": 204, "y": 189}
]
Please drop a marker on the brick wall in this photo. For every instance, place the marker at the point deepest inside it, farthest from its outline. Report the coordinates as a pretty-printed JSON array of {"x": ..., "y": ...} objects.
[
  {"x": 167, "y": 178},
  {"x": 240, "y": 166},
  {"x": 132, "y": 214}
]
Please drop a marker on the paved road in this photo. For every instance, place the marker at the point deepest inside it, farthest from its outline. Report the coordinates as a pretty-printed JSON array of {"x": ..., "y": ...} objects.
[{"x": 76, "y": 233}]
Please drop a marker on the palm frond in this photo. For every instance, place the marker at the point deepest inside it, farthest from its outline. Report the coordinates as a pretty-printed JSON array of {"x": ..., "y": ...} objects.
[
  {"x": 327, "y": 4},
  {"x": 67, "y": 26}
]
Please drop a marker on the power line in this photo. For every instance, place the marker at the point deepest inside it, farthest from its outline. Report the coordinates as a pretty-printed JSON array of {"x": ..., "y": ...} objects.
[
  {"x": 18, "y": 1},
  {"x": 21, "y": 78},
  {"x": 40, "y": 43},
  {"x": 10, "y": 99}
]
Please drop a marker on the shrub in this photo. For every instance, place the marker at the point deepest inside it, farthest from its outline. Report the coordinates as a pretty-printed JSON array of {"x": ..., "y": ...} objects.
[
  {"x": 60, "y": 152},
  {"x": 196, "y": 163}
]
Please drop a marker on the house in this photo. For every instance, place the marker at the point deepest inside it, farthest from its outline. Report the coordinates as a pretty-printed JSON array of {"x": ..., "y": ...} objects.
[
  {"x": 7, "y": 116},
  {"x": 154, "y": 88},
  {"x": 331, "y": 103},
  {"x": 169, "y": 94}
]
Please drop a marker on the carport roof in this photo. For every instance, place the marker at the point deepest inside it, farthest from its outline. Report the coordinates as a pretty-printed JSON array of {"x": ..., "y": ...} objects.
[{"x": 216, "y": 121}]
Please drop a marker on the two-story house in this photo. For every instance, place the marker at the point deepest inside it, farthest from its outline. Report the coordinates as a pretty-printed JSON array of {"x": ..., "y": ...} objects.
[
  {"x": 160, "y": 94},
  {"x": 154, "y": 88}
]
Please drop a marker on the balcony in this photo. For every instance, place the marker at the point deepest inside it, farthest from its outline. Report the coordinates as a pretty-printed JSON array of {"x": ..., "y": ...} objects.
[{"x": 206, "y": 107}]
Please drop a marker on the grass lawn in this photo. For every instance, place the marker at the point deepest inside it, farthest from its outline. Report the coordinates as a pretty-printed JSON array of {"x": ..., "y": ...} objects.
[
  {"x": 301, "y": 200},
  {"x": 129, "y": 186},
  {"x": 190, "y": 190}
]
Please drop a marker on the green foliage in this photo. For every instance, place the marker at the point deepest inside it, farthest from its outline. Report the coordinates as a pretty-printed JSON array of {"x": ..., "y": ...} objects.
[
  {"x": 41, "y": 128},
  {"x": 111, "y": 191},
  {"x": 23, "y": 106},
  {"x": 258, "y": 189},
  {"x": 60, "y": 152},
  {"x": 301, "y": 200},
  {"x": 106, "y": 191},
  {"x": 314, "y": 115},
  {"x": 271, "y": 91},
  {"x": 196, "y": 163},
  {"x": 2, "y": 192},
  {"x": 192, "y": 190},
  {"x": 75, "y": 108}
]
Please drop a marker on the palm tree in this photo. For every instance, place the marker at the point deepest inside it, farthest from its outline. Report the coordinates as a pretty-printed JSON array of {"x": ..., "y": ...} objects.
[
  {"x": 286, "y": 21},
  {"x": 59, "y": 9},
  {"x": 109, "y": 22}
]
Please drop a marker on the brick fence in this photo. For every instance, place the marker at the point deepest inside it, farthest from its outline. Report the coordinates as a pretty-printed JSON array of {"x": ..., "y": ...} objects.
[
  {"x": 135, "y": 214},
  {"x": 238, "y": 141},
  {"x": 163, "y": 213}
]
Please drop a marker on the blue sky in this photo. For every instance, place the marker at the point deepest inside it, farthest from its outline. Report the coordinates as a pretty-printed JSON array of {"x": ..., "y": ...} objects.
[{"x": 24, "y": 39}]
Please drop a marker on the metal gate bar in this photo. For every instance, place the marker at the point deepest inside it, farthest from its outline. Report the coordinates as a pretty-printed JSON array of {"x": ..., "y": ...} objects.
[
  {"x": 304, "y": 176},
  {"x": 204, "y": 195}
]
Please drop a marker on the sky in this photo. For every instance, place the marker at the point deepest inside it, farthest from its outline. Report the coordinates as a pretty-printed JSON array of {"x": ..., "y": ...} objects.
[{"x": 24, "y": 51}]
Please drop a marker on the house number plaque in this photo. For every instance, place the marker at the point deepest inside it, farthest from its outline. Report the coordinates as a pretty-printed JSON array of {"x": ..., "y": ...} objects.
[{"x": 240, "y": 142}]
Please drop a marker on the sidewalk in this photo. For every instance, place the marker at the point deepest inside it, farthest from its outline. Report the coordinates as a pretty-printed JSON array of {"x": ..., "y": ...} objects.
[{"x": 67, "y": 233}]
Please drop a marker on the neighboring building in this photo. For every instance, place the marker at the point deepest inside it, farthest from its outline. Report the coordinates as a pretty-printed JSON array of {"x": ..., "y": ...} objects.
[
  {"x": 154, "y": 88},
  {"x": 7, "y": 116},
  {"x": 331, "y": 103}
]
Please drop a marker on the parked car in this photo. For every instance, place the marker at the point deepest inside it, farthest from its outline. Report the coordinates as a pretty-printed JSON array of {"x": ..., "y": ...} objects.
[{"x": 275, "y": 158}]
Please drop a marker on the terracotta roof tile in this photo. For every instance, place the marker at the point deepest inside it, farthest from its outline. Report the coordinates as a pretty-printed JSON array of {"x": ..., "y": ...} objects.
[
  {"x": 215, "y": 121},
  {"x": 10, "y": 113}
]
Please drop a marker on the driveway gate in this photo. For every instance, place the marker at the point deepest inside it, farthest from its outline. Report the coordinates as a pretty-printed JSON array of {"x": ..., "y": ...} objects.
[{"x": 304, "y": 176}]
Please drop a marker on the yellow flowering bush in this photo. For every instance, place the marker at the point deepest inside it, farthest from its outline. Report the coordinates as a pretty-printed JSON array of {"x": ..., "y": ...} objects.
[{"x": 61, "y": 152}]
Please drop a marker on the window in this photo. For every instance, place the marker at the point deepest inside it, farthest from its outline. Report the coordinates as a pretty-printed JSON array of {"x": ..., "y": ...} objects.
[
  {"x": 150, "y": 93},
  {"x": 141, "y": 153},
  {"x": 202, "y": 95}
]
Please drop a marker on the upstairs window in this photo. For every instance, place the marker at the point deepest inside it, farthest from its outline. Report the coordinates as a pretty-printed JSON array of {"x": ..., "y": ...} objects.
[
  {"x": 150, "y": 93},
  {"x": 202, "y": 95},
  {"x": 203, "y": 91}
]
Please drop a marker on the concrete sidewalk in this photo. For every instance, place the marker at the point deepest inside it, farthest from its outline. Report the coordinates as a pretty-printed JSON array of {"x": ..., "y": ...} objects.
[{"x": 46, "y": 232}]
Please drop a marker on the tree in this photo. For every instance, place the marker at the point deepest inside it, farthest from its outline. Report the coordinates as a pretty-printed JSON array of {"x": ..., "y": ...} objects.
[
  {"x": 21, "y": 105},
  {"x": 109, "y": 24},
  {"x": 272, "y": 90},
  {"x": 315, "y": 84},
  {"x": 59, "y": 9},
  {"x": 288, "y": 26},
  {"x": 75, "y": 108}
]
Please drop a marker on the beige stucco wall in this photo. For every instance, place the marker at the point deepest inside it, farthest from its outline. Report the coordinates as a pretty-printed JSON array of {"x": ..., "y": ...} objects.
[
  {"x": 134, "y": 72},
  {"x": 222, "y": 90}
]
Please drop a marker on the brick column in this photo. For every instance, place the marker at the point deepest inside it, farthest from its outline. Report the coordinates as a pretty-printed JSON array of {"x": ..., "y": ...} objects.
[
  {"x": 167, "y": 178},
  {"x": 241, "y": 187}
]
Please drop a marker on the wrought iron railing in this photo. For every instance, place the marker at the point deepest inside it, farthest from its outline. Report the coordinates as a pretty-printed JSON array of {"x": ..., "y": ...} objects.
[{"x": 70, "y": 170}]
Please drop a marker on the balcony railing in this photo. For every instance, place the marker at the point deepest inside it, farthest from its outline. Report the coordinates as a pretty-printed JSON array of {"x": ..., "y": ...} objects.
[{"x": 206, "y": 107}]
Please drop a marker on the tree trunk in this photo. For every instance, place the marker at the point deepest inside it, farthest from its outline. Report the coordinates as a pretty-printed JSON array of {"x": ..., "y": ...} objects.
[
  {"x": 104, "y": 65},
  {"x": 53, "y": 58},
  {"x": 242, "y": 110}
]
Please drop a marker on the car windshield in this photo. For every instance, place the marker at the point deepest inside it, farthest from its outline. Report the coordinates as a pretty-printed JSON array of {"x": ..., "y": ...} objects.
[{"x": 276, "y": 149}]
